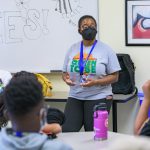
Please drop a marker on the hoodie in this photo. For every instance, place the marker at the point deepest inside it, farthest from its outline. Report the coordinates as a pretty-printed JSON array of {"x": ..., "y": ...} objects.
[{"x": 30, "y": 141}]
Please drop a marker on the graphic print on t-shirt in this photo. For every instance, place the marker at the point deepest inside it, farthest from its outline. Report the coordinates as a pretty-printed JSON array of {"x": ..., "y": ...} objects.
[{"x": 90, "y": 67}]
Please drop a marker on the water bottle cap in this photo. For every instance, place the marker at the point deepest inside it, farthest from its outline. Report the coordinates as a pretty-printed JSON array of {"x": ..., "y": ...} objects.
[{"x": 100, "y": 106}]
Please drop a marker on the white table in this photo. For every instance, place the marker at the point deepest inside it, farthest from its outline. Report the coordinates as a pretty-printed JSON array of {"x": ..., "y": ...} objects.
[{"x": 85, "y": 141}]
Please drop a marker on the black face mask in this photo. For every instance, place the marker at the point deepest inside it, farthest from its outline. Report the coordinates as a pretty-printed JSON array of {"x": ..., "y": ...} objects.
[{"x": 89, "y": 33}]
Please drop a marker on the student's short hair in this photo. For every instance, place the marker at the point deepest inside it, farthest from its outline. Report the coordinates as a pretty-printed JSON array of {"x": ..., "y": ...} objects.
[
  {"x": 86, "y": 17},
  {"x": 22, "y": 94},
  {"x": 24, "y": 73}
]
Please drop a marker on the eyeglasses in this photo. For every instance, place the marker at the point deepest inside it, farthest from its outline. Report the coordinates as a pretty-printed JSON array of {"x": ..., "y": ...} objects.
[{"x": 86, "y": 26}]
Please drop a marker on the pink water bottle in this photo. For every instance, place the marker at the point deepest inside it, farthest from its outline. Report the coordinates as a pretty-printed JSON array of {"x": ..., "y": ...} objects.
[{"x": 100, "y": 122}]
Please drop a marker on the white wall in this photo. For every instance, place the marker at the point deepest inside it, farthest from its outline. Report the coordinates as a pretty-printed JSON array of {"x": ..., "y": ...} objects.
[{"x": 112, "y": 32}]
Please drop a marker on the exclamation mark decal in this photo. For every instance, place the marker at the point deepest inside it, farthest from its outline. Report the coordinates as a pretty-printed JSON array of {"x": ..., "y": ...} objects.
[{"x": 45, "y": 17}]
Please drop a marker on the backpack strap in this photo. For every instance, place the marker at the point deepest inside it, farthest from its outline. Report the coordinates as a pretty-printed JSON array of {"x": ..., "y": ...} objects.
[{"x": 130, "y": 67}]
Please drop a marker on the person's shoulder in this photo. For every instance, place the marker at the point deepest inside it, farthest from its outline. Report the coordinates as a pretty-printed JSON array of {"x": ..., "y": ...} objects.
[
  {"x": 4, "y": 72},
  {"x": 5, "y": 76},
  {"x": 105, "y": 46},
  {"x": 55, "y": 145},
  {"x": 74, "y": 47},
  {"x": 77, "y": 44},
  {"x": 3, "y": 133}
]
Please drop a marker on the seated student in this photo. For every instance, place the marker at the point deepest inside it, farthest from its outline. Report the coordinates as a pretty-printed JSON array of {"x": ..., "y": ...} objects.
[
  {"x": 55, "y": 118},
  {"x": 3, "y": 119},
  {"x": 24, "y": 103},
  {"x": 142, "y": 123},
  {"x": 5, "y": 77}
]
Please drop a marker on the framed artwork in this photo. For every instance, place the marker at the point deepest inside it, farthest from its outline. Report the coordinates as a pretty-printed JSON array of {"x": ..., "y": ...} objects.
[{"x": 137, "y": 22}]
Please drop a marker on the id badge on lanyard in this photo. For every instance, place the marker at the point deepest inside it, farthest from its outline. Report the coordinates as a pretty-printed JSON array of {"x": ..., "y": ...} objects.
[{"x": 82, "y": 63}]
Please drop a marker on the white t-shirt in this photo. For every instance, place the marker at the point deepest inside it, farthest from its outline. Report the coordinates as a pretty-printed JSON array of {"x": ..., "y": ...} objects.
[
  {"x": 5, "y": 76},
  {"x": 102, "y": 61}
]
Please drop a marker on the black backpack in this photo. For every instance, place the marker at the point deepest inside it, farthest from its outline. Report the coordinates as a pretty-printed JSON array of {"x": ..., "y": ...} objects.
[{"x": 126, "y": 81}]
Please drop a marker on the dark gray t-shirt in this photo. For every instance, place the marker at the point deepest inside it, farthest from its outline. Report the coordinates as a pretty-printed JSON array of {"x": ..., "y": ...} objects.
[{"x": 102, "y": 61}]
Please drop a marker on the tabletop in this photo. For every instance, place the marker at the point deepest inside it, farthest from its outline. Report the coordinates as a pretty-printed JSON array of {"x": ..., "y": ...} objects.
[{"x": 85, "y": 140}]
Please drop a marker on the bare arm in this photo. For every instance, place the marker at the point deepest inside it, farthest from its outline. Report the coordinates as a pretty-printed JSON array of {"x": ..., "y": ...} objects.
[
  {"x": 111, "y": 78},
  {"x": 66, "y": 78},
  {"x": 143, "y": 112},
  {"x": 52, "y": 128}
]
